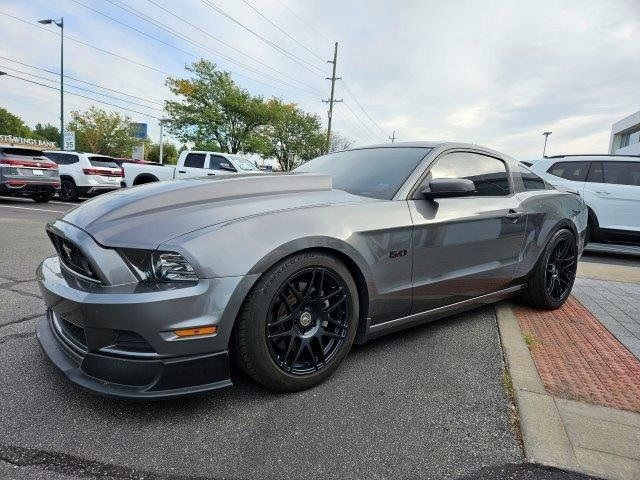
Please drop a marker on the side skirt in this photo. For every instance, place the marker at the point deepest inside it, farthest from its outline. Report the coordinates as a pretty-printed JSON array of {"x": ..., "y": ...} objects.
[{"x": 380, "y": 329}]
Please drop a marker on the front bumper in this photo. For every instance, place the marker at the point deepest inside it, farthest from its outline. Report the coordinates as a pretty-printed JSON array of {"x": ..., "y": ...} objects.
[
  {"x": 134, "y": 378},
  {"x": 152, "y": 362}
]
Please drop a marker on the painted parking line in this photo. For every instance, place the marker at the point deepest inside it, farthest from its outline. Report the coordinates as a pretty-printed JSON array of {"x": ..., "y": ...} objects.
[{"x": 33, "y": 208}]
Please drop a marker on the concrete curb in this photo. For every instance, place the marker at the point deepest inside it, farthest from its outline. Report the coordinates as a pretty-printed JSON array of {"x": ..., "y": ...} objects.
[
  {"x": 545, "y": 440},
  {"x": 567, "y": 434}
]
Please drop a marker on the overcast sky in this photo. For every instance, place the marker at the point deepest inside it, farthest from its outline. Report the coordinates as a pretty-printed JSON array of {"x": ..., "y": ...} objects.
[{"x": 497, "y": 73}]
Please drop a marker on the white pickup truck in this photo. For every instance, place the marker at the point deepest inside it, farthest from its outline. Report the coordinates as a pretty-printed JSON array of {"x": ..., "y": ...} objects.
[{"x": 190, "y": 164}]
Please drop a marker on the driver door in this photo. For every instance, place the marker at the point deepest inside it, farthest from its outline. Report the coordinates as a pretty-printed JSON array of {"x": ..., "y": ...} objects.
[
  {"x": 468, "y": 246},
  {"x": 219, "y": 165}
]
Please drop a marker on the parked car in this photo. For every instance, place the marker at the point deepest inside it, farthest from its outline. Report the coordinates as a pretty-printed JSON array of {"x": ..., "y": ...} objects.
[
  {"x": 190, "y": 164},
  {"x": 25, "y": 172},
  {"x": 610, "y": 186},
  {"x": 153, "y": 288},
  {"x": 85, "y": 174}
]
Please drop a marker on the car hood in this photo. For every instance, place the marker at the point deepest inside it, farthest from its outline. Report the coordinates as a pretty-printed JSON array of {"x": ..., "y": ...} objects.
[{"x": 146, "y": 216}]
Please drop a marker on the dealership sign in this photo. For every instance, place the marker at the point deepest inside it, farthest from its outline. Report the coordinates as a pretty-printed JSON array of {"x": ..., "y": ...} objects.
[{"x": 32, "y": 142}]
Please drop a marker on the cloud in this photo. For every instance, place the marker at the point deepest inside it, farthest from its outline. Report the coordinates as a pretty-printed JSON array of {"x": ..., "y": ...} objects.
[{"x": 498, "y": 73}]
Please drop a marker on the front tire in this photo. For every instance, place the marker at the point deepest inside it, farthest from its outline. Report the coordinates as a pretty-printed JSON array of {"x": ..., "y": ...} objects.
[
  {"x": 552, "y": 278},
  {"x": 298, "y": 323}
]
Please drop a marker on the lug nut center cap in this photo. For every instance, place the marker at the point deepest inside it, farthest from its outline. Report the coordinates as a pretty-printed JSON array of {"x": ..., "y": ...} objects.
[{"x": 305, "y": 319}]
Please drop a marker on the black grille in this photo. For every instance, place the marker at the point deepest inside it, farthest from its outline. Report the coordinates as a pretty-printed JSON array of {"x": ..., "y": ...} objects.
[
  {"x": 131, "y": 342},
  {"x": 73, "y": 332},
  {"x": 72, "y": 257}
]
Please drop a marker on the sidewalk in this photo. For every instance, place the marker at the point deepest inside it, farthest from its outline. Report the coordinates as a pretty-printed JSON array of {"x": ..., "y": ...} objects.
[{"x": 576, "y": 385}]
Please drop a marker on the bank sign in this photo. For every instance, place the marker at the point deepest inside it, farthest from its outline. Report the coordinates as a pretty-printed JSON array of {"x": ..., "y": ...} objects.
[{"x": 26, "y": 142}]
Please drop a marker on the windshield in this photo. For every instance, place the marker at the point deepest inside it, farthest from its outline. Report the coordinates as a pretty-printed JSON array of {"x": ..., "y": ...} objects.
[
  {"x": 245, "y": 164},
  {"x": 369, "y": 172}
]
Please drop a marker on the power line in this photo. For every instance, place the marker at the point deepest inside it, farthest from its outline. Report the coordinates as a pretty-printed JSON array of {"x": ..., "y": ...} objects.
[
  {"x": 304, "y": 21},
  {"x": 82, "y": 88},
  {"x": 357, "y": 127},
  {"x": 145, "y": 34},
  {"x": 362, "y": 122},
  {"x": 346, "y": 87},
  {"x": 83, "y": 96},
  {"x": 282, "y": 30},
  {"x": 303, "y": 63},
  {"x": 83, "y": 81},
  {"x": 75, "y": 40},
  {"x": 228, "y": 45}
]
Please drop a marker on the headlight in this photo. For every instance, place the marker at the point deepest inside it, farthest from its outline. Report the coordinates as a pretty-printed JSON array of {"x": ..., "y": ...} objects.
[{"x": 159, "y": 266}]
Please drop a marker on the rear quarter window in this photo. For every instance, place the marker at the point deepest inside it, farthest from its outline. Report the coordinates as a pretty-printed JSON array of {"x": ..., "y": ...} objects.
[
  {"x": 104, "y": 162},
  {"x": 530, "y": 180},
  {"x": 574, "y": 171}
]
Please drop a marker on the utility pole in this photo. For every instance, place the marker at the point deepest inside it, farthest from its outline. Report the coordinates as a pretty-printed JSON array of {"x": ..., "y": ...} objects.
[
  {"x": 60, "y": 24},
  {"x": 393, "y": 137},
  {"x": 331, "y": 100},
  {"x": 546, "y": 136}
]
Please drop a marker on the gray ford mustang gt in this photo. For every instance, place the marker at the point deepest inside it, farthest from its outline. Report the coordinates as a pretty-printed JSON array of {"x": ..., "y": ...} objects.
[{"x": 156, "y": 287}]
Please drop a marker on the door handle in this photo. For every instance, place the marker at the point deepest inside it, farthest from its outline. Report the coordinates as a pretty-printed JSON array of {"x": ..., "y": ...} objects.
[
  {"x": 514, "y": 215},
  {"x": 182, "y": 171},
  {"x": 602, "y": 192},
  {"x": 210, "y": 174}
]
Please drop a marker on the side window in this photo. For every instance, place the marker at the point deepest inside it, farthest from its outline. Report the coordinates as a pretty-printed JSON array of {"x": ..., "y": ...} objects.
[
  {"x": 216, "y": 161},
  {"x": 489, "y": 174},
  {"x": 595, "y": 173},
  {"x": 68, "y": 158},
  {"x": 55, "y": 157},
  {"x": 622, "y": 173},
  {"x": 530, "y": 180},
  {"x": 575, "y": 171},
  {"x": 195, "y": 160}
]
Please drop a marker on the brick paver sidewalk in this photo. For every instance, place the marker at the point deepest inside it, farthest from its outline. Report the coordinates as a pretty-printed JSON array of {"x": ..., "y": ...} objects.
[{"x": 579, "y": 359}]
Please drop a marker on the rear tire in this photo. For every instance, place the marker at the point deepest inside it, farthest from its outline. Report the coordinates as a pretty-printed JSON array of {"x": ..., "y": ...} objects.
[
  {"x": 298, "y": 322},
  {"x": 42, "y": 197},
  {"x": 68, "y": 190},
  {"x": 552, "y": 278}
]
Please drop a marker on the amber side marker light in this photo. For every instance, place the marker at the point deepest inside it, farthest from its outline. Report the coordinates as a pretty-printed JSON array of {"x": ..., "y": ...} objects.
[{"x": 194, "y": 332}]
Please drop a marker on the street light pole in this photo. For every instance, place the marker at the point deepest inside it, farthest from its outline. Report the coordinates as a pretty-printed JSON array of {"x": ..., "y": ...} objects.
[
  {"x": 59, "y": 23},
  {"x": 162, "y": 121},
  {"x": 546, "y": 136}
]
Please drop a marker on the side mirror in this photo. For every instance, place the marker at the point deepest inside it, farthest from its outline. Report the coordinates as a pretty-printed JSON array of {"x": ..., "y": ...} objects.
[
  {"x": 449, "y": 187},
  {"x": 227, "y": 167}
]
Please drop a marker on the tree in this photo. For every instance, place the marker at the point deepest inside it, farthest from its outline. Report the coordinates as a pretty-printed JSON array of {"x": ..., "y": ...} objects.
[
  {"x": 292, "y": 135},
  {"x": 339, "y": 142},
  {"x": 213, "y": 111},
  {"x": 47, "y": 132},
  {"x": 169, "y": 153},
  {"x": 11, "y": 124},
  {"x": 99, "y": 131}
]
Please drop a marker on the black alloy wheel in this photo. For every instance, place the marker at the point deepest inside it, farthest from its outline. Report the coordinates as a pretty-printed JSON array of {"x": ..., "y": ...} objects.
[
  {"x": 560, "y": 270},
  {"x": 68, "y": 190},
  {"x": 298, "y": 322},
  {"x": 551, "y": 280},
  {"x": 308, "y": 320}
]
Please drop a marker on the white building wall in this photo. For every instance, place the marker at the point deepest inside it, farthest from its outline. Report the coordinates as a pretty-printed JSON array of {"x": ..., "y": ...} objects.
[{"x": 630, "y": 124}]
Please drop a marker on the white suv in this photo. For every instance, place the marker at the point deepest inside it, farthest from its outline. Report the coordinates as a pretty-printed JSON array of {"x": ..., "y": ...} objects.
[
  {"x": 85, "y": 174},
  {"x": 609, "y": 185}
]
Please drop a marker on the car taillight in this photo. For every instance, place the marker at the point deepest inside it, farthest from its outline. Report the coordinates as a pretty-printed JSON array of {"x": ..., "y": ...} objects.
[
  {"x": 17, "y": 162},
  {"x": 103, "y": 171}
]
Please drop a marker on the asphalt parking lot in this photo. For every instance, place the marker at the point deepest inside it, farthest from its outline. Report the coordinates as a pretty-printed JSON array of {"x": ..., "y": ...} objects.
[{"x": 425, "y": 403}]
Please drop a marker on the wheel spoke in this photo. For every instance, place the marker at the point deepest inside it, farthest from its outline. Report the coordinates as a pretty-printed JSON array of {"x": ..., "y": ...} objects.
[
  {"x": 331, "y": 334},
  {"x": 287, "y": 333},
  {"x": 285, "y": 301},
  {"x": 309, "y": 286},
  {"x": 279, "y": 321},
  {"x": 331, "y": 295},
  {"x": 333, "y": 307},
  {"x": 298, "y": 353}
]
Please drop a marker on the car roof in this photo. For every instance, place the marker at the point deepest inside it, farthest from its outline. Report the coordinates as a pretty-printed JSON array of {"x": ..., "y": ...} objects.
[{"x": 590, "y": 157}]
